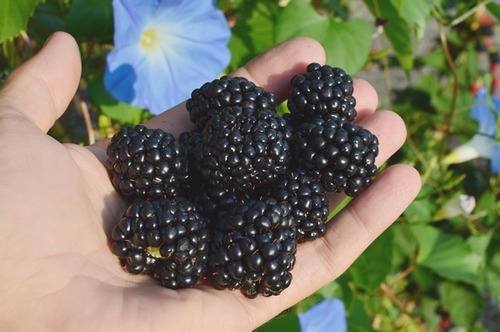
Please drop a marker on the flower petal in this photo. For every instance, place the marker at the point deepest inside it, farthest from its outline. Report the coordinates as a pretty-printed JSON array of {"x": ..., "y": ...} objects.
[
  {"x": 457, "y": 206},
  {"x": 175, "y": 48},
  {"x": 120, "y": 77},
  {"x": 479, "y": 146},
  {"x": 495, "y": 159},
  {"x": 327, "y": 315},
  {"x": 130, "y": 17},
  {"x": 496, "y": 104},
  {"x": 482, "y": 113}
]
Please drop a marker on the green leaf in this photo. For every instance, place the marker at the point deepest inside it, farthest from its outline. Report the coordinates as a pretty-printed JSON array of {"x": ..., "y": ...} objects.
[
  {"x": 435, "y": 59},
  {"x": 405, "y": 244},
  {"x": 91, "y": 18},
  {"x": 493, "y": 276},
  {"x": 425, "y": 278},
  {"x": 447, "y": 255},
  {"x": 486, "y": 207},
  {"x": 46, "y": 20},
  {"x": 14, "y": 15},
  {"x": 494, "y": 8},
  {"x": 347, "y": 44},
  {"x": 253, "y": 32},
  {"x": 371, "y": 268},
  {"x": 479, "y": 244},
  {"x": 463, "y": 303},
  {"x": 357, "y": 319},
  {"x": 111, "y": 107},
  {"x": 416, "y": 12},
  {"x": 397, "y": 29},
  {"x": 420, "y": 211},
  {"x": 332, "y": 289},
  {"x": 286, "y": 322}
]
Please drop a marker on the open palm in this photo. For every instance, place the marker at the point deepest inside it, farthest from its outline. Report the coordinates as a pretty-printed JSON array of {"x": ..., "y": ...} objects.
[{"x": 57, "y": 206}]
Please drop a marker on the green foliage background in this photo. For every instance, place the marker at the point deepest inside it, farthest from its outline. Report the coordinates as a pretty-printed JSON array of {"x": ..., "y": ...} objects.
[{"x": 424, "y": 269}]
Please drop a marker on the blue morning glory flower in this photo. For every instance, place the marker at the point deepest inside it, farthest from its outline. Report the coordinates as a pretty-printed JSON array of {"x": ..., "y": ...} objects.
[
  {"x": 479, "y": 146},
  {"x": 483, "y": 114},
  {"x": 482, "y": 144},
  {"x": 327, "y": 315},
  {"x": 164, "y": 49}
]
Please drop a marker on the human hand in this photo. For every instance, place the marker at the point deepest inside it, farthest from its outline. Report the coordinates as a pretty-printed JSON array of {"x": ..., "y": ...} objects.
[{"x": 57, "y": 206}]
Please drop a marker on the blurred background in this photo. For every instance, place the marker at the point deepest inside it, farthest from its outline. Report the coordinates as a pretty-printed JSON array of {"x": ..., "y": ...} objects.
[{"x": 435, "y": 62}]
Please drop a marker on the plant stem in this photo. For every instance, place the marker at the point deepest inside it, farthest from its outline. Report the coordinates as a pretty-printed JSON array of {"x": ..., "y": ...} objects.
[
  {"x": 453, "y": 107},
  {"x": 468, "y": 13},
  {"x": 390, "y": 294}
]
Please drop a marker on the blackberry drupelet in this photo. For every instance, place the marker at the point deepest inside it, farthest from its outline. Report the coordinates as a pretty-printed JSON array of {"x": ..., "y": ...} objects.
[
  {"x": 242, "y": 148},
  {"x": 190, "y": 140},
  {"x": 341, "y": 155},
  {"x": 214, "y": 96},
  {"x": 213, "y": 200},
  {"x": 167, "y": 239},
  {"x": 146, "y": 163},
  {"x": 253, "y": 248},
  {"x": 322, "y": 90},
  {"x": 307, "y": 199}
]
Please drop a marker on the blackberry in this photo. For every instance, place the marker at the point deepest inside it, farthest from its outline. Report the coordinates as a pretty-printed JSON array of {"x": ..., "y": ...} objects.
[
  {"x": 253, "y": 248},
  {"x": 146, "y": 163},
  {"x": 307, "y": 199},
  {"x": 166, "y": 238},
  {"x": 242, "y": 148},
  {"x": 214, "y": 96},
  {"x": 322, "y": 90},
  {"x": 213, "y": 200},
  {"x": 340, "y": 155},
  {"x": 190, "y": 140}
]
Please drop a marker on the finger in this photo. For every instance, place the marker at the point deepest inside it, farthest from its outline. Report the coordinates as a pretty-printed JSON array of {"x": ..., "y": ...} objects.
[
  {"x": 324, "y": 259},
  {"x": 366, "y": 99},
  {"x": 390, "y": 130},
  {"x": 41, "y": 89}
]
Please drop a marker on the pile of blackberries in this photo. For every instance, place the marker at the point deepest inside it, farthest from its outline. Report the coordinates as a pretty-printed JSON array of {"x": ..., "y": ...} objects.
[{"x": 229, "y": 201}]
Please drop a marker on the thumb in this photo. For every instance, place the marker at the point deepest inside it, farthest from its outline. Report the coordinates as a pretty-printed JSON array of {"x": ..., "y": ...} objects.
[{"x": 41, "y": 88}]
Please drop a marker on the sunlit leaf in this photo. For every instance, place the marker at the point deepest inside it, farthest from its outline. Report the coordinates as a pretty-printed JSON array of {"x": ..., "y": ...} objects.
[
  {"x": 463, "y": 303},
  {"x": 14, "y": 15},
  {"x": 253, "y": 32},
  {"x": 416, "y": 12},
  {"x": 347, "y": 44},
  {"x": 396, "y": 28},
  {"x": 448, "y": 255},
  {"x": 494, "y": 8}
]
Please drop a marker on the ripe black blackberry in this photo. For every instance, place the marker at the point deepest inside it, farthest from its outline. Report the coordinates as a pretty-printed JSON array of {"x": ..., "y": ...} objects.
[
  {"x": 253, "y": 248},
  {"x": 243, "y": 148},
  {"x": 167, "y": 239},
  {"x": 213, "y": 200},
  {"x": 340, "y": 154},
  {"x": 214, "y": 96},
  {"x": 307, "y": 199},
  {"x": 322, "y": 90},
  {"x": 146, "y": 163}
]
